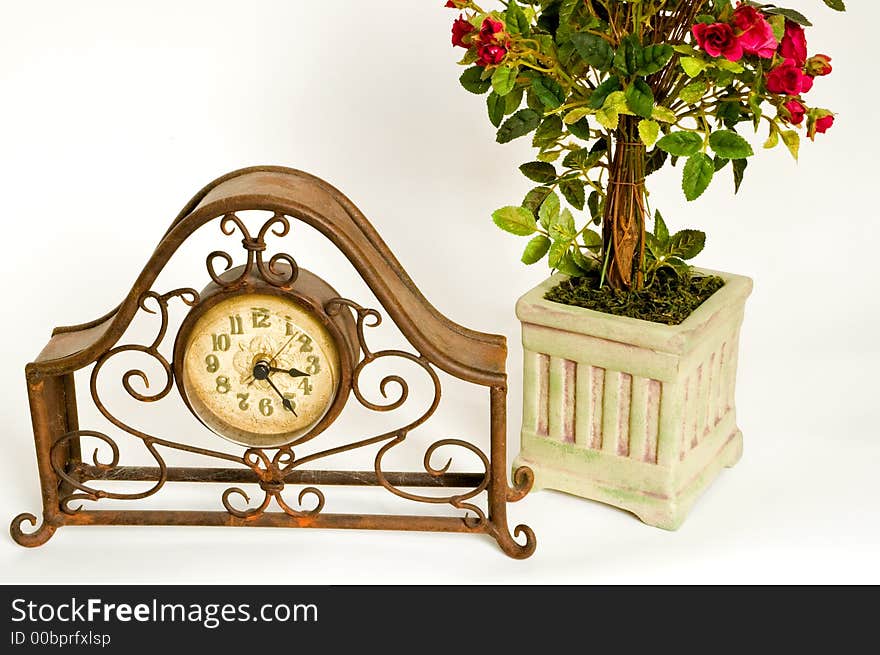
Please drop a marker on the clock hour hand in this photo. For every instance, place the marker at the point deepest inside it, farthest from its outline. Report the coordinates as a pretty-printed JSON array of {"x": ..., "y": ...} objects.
[
  {"x": 293, "y": 372},
  {"x": 262, "y": 371}
]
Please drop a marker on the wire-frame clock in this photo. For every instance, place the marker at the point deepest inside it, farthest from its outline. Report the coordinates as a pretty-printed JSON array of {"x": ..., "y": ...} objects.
[{"x": 289, "y": 394}]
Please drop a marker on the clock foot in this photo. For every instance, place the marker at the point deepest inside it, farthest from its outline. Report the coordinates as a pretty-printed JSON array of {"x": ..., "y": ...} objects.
[
  {"x": 508, "y": 543},
  {"x": 30, "y": 539}
]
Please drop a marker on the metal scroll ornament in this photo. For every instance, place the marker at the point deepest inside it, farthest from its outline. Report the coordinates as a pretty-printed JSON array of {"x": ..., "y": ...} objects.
[{"x": 73, "y": 482}]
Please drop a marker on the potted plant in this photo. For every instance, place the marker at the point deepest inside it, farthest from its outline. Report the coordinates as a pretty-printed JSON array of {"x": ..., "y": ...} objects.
[{"x": 630, "y": 353}]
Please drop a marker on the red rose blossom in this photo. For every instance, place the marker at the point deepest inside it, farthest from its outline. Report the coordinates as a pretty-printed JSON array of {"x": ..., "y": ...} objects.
[
  {"x": 491, "y": 55},
  {"x": 461, "y": 28},
  {"x": 718, "y": 40},
  {"x": 797, "y": 111},
  {"x": 456, "y": 4},
  {"x": 819, "y": 65},
  {"x": 824, "y": 124},
  {"x": 756, "y": 34},
  {"x": 491, "y": 30},
  {"x": 794, "y": 43},
  {"x": 789, "y": 79}
]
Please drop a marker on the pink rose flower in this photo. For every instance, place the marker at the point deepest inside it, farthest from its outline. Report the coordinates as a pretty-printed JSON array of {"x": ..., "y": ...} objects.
[
  {"x": 718, "y": 40},
  {"x": 794, "y": 43},
  {"x": 788, "y": 79},
  {"x": 756, "y": 34},
  {"x": 797, "y": 111}
]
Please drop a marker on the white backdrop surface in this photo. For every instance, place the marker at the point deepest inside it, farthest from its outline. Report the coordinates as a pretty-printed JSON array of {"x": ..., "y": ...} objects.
[{"x": 113, "y": 114}]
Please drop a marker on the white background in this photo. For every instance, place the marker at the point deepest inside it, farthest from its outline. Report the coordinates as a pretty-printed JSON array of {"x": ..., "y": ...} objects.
[{"x": 113, "y": 114}]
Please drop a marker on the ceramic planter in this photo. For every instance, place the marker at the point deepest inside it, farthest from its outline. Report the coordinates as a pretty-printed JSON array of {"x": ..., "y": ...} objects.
[{"x": 635, "y": 414}]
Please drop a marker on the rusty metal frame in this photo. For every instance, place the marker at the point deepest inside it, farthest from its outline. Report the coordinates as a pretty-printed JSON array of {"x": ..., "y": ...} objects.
[{"x": 471, "y": 356}]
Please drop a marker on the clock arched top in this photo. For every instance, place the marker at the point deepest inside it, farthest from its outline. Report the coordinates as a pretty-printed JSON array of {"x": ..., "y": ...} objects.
[{"x": 473, "y": 356}]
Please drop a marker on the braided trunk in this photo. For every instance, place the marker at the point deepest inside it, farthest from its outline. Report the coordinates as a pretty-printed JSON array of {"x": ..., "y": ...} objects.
[{"x": 623, "y": 221}]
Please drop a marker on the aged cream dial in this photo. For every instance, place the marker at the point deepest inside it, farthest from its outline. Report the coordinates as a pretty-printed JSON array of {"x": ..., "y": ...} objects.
[{"x": 259, "y": 369}]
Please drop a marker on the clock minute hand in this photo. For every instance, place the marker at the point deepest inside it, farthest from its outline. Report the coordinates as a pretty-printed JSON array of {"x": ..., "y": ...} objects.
[{"x": 262, "y": 371}]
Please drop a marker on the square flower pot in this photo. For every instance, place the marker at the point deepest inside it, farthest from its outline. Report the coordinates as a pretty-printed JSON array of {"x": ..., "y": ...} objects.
[{"x": 635, "y": 414}]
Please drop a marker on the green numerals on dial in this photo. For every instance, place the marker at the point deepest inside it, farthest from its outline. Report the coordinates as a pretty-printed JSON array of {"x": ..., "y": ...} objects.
[
  {"x": 306, "y": 386},
  {"x": 243, "y": 403},
  {"x": 213, "y": 364},
  {"x": 223, "y": 385},
  {"x": 236, "y": 325},
  {"x": 266, "y": 407},
  {"x": 221, "y": 342},
  {"x": 314, "y": 365}
]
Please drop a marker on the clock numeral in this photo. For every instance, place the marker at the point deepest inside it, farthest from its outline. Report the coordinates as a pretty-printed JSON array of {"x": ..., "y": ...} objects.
[
  {"x": 223, "y": 385},
  {"x": 243, "y": 403},
  {"x": 291, "y": 329},
  {"x": 306, "y": 342},
  {"x": 292, "y": 398},
  {"x": 266, "y": 407},
  {"x": 260, "y": 317},
  {"x": 306, "y": 386},
  {"x": 314, "y": 366},
  {"x": 236, "y": 325},
  {"x": 213, "y": 363},
  {"x": 221, "y": 342}
]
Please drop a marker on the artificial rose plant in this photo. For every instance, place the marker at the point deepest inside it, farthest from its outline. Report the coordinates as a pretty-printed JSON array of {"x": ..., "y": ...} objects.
[{"x": 614, "y": 90}]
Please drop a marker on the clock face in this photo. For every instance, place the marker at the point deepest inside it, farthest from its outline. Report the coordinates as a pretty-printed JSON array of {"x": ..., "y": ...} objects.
[{"x": 259, "y": 369}]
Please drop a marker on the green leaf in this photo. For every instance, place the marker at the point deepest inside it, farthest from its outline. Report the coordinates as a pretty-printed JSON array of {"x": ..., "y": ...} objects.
[
  {"x": 772, "y": 140},
  {"x": 549, "y": 211},
  {"x": 536, "y": 249},
  {"x": 792, "y": 140},
  {"x": 503, "y": 80},
  {"x": 640, "y": 98},
  {"x": 593, "y": 49},
  {"x": 698, "y": 173},
  {"x": 574, "y": 192},
  {"x": 681, "y": 144},
  {"x": 693, "y": 66},
  {"x": 601, "y": 92},
  {"x": 778, "y": 24},
  {"x": 677, "y": 265},
  {"x": 730, "y": 145},
  {"x": 593, "y": 204},
  {"x": 648, "y": 132},
  {"x": 548, "y": 133},
  {"x": 581, "y": 261},
  {"x": 549, "y": 156},
  {"x": 628, "y": 58},
  {"x": 661, "y": 232},
  {"x": 473, "y": 81},
  {"x": 837, "y": 5},
  {"x": 516, "y": 220},
  {"x": 539, "y": 172},
  {"x": 535, "y": 198},
  {"x": 557, "y": 251},
  {"x": 581, "y": 129},
  {"x": 549, "y": 92},
  {"x": 495, "y": 104},
  {"x": 563, "y": 226},
  {"x": 566, "y": 265},
  {"x": 739, "y": 171},
  {"x": 790, "y": 14},
  {"x": 583, "y": 159},
  {"x": 654, "y": 58},
  {"x": 693, "y": 92},
  {"x": 664, "y": 115},
  {"x": 687, "y": 244},
  {"x": 515, "y": 19},
  {"x": 576, "y": 115},
  {"x": 720, "y": 162},
  {"x": 520, "y": 124},
  {"x": 592, "y": 240},
  {"x": 513, "y": 100}
]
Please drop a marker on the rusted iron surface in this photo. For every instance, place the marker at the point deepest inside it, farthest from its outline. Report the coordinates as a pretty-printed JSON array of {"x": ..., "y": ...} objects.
[{"x": 67, "y": 482}]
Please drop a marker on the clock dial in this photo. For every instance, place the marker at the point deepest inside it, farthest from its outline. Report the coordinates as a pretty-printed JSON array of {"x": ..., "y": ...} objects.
[{"x": 260, "y": 370}]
